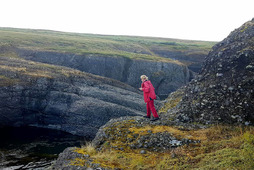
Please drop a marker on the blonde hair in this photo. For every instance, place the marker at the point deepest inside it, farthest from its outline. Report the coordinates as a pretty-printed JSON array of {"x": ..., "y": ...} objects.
[{"x": 144, "y": 77}]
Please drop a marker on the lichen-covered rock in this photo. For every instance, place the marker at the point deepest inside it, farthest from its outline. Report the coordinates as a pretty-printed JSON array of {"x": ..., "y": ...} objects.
[
  {"x": 67, "y": 160},
  {"x": 64, "y": 160},
  {"x": 224, "y": 89},
  {"x": 130, "y": 133}
]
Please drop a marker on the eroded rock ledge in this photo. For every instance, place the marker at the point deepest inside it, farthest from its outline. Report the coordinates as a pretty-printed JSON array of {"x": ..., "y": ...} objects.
[
  {"x": 42, "y": 95},
  {"x": 166, "y": 76}
]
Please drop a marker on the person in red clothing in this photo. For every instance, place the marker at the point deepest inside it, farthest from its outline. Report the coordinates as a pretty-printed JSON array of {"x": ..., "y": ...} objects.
[{"x": 149, "y": 96}]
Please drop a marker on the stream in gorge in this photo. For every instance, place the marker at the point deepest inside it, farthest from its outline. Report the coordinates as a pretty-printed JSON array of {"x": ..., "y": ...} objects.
[{"x": 33, "y": 148}]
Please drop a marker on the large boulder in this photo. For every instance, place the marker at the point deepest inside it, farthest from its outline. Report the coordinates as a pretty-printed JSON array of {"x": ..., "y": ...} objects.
[{"x": 224, "y": 89}]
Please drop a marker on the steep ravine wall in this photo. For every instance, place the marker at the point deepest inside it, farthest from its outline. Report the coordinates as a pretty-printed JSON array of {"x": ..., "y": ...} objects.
[
  {"x": 166, "y": 77},
  {"x": 35, "y": 94}
]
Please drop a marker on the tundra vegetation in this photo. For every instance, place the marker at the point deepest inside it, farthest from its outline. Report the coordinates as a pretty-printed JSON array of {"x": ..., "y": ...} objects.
[
  {"x": 221, "y": 147},
  {"x": 145, "y": 48}
]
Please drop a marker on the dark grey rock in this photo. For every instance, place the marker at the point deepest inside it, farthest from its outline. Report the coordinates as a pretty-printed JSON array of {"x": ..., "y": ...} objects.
[
  {"x": 166, "y": 77},
  {"x": 224, "y": 96},
  {"x": 78, "y": 103}
]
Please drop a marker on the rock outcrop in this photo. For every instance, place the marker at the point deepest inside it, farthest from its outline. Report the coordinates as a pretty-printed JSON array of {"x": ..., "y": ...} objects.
[
  {"x": 130, "y": 134},
  {"x": 224, "y": 89},
  {"x": 118, "y": 130},
  {"x": 166, "y": 76},
  {"x": 42, "y": 95}
]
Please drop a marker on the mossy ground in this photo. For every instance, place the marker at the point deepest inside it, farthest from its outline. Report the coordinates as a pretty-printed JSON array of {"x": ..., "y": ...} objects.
[{"x": 221, "y": 147}]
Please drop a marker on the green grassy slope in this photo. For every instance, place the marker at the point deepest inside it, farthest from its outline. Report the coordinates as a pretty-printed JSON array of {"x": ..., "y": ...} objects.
[{"x": 109, "y": 45}]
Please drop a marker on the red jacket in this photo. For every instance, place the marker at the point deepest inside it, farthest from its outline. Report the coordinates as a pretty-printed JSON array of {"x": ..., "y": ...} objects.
[{"x": 148, "y": 91}]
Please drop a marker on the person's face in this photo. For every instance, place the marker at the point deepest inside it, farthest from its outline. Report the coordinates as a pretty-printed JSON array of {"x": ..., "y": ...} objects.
[{"x": 142, "y": 80}]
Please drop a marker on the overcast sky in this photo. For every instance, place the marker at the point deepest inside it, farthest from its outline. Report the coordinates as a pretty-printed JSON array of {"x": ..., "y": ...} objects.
[{"x": 210, "y": 20}]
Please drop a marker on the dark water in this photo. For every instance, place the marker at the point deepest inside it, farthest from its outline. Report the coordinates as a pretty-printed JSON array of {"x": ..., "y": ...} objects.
[{"x": 33, "y": 148}]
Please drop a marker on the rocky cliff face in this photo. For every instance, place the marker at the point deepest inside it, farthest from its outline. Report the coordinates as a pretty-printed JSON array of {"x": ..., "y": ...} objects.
[
  {"x": 224, "y": 90},
  {"x": 42, "y": 95},
  {"x": 166, "y": 77}
]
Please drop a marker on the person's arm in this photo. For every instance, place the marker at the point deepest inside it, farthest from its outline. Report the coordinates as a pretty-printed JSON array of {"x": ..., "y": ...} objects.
[{"x": 146, "y": 88}]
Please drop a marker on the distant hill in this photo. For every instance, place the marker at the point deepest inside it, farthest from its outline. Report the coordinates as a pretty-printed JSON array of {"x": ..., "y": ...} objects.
[{"x": 191, "y": 53}]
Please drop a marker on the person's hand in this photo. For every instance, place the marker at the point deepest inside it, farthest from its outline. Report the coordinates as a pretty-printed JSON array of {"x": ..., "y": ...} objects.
[{"x": 140, "y": 88}]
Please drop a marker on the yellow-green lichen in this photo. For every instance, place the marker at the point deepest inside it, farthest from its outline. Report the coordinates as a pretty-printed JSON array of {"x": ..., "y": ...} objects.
[{"x": 172, "y": 101}]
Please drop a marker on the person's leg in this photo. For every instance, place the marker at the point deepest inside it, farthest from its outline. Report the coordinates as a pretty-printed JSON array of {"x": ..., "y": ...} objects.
[
  {"x": 151, "y": 106},
  {"x": 148, "y": 110}
]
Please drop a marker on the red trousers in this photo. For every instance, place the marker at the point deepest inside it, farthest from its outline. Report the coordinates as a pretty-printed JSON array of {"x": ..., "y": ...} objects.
[{"x": 150, "y": 107}]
